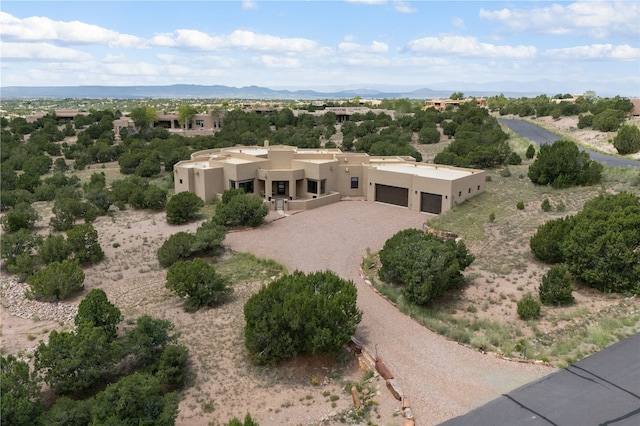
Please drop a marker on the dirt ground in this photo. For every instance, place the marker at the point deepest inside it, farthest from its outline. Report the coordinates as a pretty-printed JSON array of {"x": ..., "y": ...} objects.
[{"x": 441, "y": 378}]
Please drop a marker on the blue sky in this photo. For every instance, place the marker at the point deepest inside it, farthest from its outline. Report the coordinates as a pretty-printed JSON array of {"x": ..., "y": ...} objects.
[{"x": 514, "y": 45}]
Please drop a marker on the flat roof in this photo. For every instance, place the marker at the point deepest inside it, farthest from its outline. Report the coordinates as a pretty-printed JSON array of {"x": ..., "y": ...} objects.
[
  {"x": 236, "y": 160},
  {"x": 198, "y": 165},
  {"x": 424, "y": 170},
  {"x": 248, "y": 151}
]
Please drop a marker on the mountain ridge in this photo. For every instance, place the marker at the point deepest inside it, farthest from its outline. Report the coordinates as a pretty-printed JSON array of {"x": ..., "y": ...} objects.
[{"x": 229, "y": 92}]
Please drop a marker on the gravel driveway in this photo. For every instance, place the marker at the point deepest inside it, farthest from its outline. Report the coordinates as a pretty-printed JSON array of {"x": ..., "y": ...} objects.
[{"x": 441, "y": 378}]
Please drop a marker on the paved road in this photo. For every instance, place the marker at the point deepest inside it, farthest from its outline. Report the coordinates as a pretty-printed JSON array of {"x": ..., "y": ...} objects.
[
  {"x": 541, "y": 136},
  {"x": 442, "y": 378}
]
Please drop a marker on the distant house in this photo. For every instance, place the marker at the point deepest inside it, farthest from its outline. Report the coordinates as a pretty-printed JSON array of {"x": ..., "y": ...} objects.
[
  {"x": 441, "y": 104},
  {"x": 290, "y": 178},
  {"x": 61, "y": 114},
  {"x": 200, "y": 124}
]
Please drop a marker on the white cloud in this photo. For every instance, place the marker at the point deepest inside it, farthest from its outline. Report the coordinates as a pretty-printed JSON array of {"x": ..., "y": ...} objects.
[
  {"x": 166, "y": 57},
  {"x": 458, "y": 23},
  {"x": 374, "y": 47},
  {"x": 270, "y": 61},
  {"x": 249, "y": 4},
  {"x": 404, "y": 7},
  {"x": 468, "y": 46},
  {"x": 38, "y": 28},
  {"x": 41, "y": 51},
  {"x": 596, "y": 51},
  {"x": 113, "y": 58},
  {"x": 136, "y": 69},
  {"x": 238, "y": 39},
  {"x": 595, "y": 18}
]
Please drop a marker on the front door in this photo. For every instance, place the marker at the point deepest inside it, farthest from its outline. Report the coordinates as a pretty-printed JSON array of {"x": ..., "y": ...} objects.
[{"x": 281, "y": 187}]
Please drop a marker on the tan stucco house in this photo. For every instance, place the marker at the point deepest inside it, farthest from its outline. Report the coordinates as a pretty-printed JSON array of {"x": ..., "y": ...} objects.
[{"x": 290, "y": 178}]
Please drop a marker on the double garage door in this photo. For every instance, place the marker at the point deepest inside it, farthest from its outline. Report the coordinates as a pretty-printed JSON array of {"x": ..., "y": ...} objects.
[{"x": 429, "y": 203}]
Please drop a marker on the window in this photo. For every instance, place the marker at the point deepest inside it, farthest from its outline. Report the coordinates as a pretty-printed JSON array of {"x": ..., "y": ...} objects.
[
  {"x": 199, "y": 123},
  {"x": 459, "y": 193},
  {"x": 478, "y": 187},
  {"x": 312, "y": 186},
  {"x": 354, "y": 182},
  {"x": 180, "y": 180},
  {"x": 323, "y": 186},
  {"x": 246, "y": 185},
  {"x": 469, "y": 190},
  {"x": 232, "y": 184}
]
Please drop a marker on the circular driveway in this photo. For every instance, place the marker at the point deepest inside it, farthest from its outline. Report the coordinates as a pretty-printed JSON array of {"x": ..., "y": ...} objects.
[{"x": 441, "y": 378}]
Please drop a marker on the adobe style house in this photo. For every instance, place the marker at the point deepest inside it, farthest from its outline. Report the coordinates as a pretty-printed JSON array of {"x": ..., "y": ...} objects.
[
  {"x": 290, "y": 178},
  {"x": 442, "y": 104}
]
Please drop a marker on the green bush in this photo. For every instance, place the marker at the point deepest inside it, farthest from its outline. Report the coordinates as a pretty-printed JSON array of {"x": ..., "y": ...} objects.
[
  {"x": 425, "y": 265},
  {"x": 199, "y": 282},
  {"x": 562, "y": 165},
  {"x": 57, "y": 281},
  {"x": 505, "y": 172},
  {"x": 183, "y": 207},
  {"x": 531, "y": 151},
  {"x": 627, "y": 141},
  {"x": 300, "y": 314},
  {"x": 520, "y": 205},
  {"x": 556, "y": 288},
  {"x": 176, "y": 247},
  {"x": 546, "y": 243},
  {"x": 528, "y": 307},
  {"x": 241, "y": 209},
  {"x": 546, "y": 205}
]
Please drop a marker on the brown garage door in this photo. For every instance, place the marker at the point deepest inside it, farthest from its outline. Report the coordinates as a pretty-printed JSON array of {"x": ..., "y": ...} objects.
[
  {"x": 430, "y": 203},
  {"x": 392, "y": 195}
]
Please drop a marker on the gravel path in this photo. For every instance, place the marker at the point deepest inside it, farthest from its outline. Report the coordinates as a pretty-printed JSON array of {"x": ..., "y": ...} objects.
[{"x": 441, "y": 378}]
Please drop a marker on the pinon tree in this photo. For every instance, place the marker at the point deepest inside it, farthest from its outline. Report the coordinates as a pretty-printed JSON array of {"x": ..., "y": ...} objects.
[
  {"x": 425, "y": 265},
  {"x": 300, "y": 314}
]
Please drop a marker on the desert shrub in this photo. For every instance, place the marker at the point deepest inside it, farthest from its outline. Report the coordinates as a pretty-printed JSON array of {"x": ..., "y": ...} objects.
[
  {"x": 21, "y": 394},
  {"x": 425, "y": 265},
  {"x": 96, "y": 310},
  {"x": 171, "y": 368},
  {"x": 531, "y": 151},
  {"x": 176, "y": 247},
  {"x": 21, "y": 216},
  {"x": 137, "y": 399},
  {"x": 520, "y": 205},
  {"x": 492, "y": 217},
  {"x": 74, "y": 362},
  {"x": 82, "y": 240},
  {"x": 198, "y": 282},
  {"x": 627, "y": 141},
  {"x": 183, "y": 207},
  {"x": 602, "y": 248},
  {"x": 57, "y": 281},
  {"x": 556, "y": 288},
  {"x": 248, "y": 421},
  {"x": 546, "y": 243},
  {"x": 585, "y": 120},
  {"x": 505, "y": 172},
  {"x": 546, "y": 205},
  {"x": 429, "y": 135},
  {"x": 608, "y": 120},
  {"x": 300, "y": 314},
  {"x": 528, "y": 307},
  {"x": 240, "y": 209},
  {"x": 514, "y": 159},
  {"x": 562, "y": 165}
]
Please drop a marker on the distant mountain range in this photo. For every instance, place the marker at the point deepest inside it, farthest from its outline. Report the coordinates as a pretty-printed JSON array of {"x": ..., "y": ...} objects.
[{"x": 226, "y": 92}]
